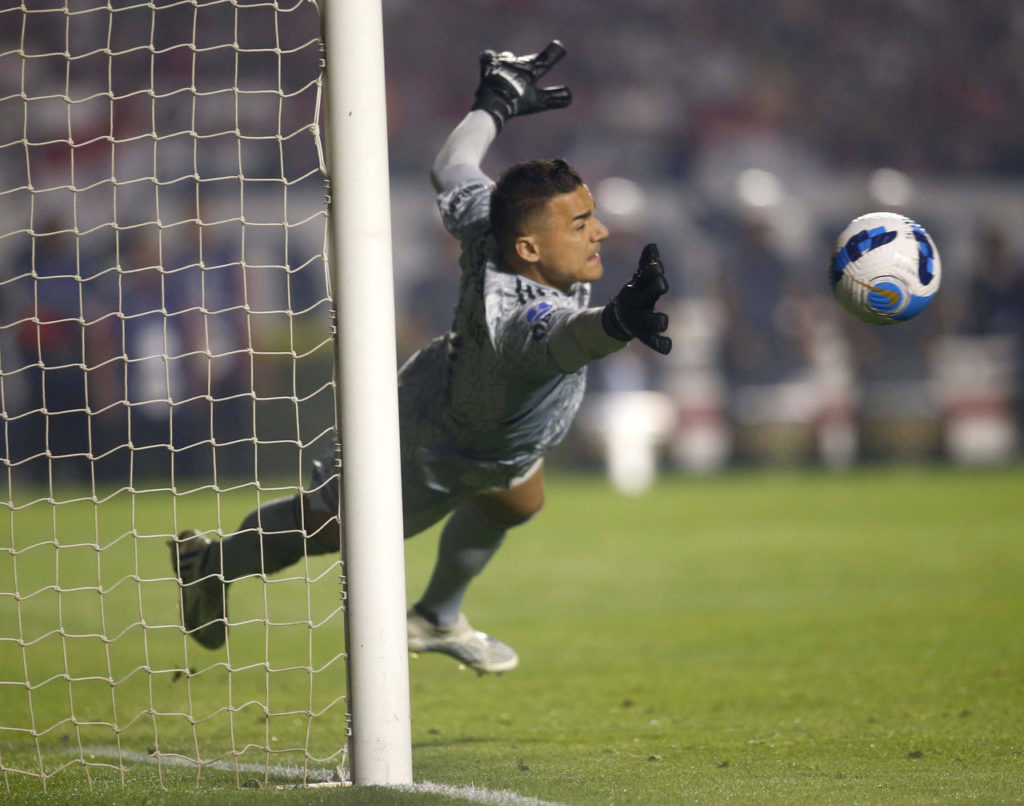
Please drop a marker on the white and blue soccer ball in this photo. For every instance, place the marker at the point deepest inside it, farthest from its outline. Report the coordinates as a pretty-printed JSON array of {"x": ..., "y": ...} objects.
[{"x": 885, "y": 268}]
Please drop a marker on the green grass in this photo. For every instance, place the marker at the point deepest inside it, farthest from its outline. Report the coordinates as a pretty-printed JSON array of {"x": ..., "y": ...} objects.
[{"x": 758, "y": 637}]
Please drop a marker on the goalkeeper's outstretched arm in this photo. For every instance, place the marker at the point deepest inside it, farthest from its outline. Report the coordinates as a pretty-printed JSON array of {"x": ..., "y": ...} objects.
[
  {"x": 459, "y": 160},
  {"x": 594, "y": 333},
  {"x": 508, "y": 88}
]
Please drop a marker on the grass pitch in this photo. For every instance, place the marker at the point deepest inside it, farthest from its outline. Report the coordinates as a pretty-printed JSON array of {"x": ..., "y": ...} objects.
[{"x": 757, "y": 637}]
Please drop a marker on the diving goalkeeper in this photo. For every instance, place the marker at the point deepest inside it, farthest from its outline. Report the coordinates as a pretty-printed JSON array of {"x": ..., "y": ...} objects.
[{"x": 481, "y": 405}]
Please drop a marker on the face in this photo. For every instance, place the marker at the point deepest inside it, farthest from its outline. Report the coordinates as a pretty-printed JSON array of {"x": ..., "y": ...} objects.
[{"x": 562, "y": 242}]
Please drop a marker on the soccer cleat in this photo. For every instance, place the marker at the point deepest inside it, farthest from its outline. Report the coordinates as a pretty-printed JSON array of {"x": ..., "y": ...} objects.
[
  {"x": 468, "y": 646},
  {"x": 203, "y": 601}
]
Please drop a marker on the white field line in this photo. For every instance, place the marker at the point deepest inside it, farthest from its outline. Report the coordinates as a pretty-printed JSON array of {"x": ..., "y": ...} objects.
[
  {"x": 291, "y": 771},
  {"x": 473, "y": 794},
  {"x": 322, "y": 775}
]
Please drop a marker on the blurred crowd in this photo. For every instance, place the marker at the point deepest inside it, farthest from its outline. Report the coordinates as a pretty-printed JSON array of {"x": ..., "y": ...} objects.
[
  {"x": 929, "y": 85},
  {"x": 162, "y": 192}
]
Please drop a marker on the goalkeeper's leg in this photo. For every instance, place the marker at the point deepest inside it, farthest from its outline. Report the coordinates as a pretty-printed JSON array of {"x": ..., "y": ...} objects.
[
  {"x": 470, "y": 538},
  {"x": 270, "y": 538}
]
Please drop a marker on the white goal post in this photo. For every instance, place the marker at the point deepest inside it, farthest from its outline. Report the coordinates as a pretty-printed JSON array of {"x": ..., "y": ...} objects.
[
  {"x": 373, "y": 549},
  {"x": 169, "y": 277}
]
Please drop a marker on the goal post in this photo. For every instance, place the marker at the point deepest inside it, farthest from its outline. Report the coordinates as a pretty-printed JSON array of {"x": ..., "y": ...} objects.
[
  {"x": 360, "y": 227},
  {"x": 171, "y": 274}
]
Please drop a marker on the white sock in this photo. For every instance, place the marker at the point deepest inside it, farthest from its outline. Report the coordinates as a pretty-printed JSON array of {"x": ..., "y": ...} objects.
[{"x": 468, "y": 541}]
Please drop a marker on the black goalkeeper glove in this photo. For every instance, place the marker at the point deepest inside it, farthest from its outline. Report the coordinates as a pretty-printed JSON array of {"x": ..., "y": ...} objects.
[
  {"x": 508, "y": 84},
  {"x": 631, "y": 313}
]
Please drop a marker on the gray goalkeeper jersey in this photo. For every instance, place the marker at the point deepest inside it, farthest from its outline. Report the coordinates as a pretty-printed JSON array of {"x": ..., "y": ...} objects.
[{"x": 483, "y": 403}]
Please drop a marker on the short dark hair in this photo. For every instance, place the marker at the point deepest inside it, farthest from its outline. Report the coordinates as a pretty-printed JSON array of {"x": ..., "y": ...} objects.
[{"x": 523, "y": 190}]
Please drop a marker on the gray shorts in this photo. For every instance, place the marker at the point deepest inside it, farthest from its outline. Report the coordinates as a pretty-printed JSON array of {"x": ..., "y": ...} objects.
[{"x": 432, "y": 485}]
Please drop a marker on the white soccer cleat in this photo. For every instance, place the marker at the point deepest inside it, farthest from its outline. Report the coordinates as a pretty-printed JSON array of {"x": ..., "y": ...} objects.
[
  {"x": 203, "y": 601},
  {"x": 468, "y": 646}
]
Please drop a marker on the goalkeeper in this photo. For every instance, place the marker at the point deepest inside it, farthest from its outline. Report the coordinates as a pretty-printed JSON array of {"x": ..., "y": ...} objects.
[{"x": 483, "y": 404}]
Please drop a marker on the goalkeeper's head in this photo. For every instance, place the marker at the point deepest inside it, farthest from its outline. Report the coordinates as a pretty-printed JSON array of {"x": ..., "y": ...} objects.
[{"x": 542, "y": 216}]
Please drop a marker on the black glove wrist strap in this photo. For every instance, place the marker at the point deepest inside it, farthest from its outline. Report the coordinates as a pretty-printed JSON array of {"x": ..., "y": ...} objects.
[
  {"x": 493, "y": 105},
  {"x": 612, "y": 324}
]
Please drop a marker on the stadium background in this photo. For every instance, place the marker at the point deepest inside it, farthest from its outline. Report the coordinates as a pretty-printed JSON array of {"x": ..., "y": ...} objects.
[
  {"x": 818, "y": 637},
  {"x": 739, "y": 136}
]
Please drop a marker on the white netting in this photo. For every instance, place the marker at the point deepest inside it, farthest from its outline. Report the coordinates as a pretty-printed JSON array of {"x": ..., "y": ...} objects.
[{"x": 165, "y": 363}]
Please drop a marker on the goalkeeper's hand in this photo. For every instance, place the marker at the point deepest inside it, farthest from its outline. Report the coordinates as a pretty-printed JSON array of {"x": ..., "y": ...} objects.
[
  {"x": 508, "y": 84},
  {"x": 631, "y": 313}
]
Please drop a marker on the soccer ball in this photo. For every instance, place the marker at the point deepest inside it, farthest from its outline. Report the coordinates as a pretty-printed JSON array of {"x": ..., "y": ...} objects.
[{"x": 885, "y": 268}]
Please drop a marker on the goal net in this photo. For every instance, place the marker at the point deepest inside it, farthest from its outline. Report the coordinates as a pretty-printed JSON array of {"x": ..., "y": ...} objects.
[{"x": 166, "y": 362}]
